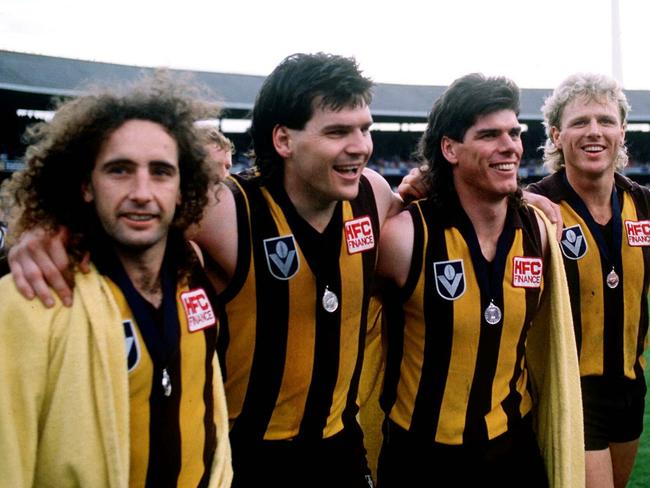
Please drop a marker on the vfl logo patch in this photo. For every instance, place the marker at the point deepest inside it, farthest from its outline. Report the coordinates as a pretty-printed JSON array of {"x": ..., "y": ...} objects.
[
  {"x": 132, "y": 347},
  {"x": 638, "y": 233},
  {"x": 450, "y": 278},
  {"x": 198, "y": 310},
  {"x": 358, "y": 235},
  {"x": 573, "y": 242},
  {"x": 281, "y": 256},
  {"x": 527, "y": 272}
]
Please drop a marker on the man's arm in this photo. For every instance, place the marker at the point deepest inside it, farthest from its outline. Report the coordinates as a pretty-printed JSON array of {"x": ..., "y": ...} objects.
[
  {"x": 388, "y": 202},
  {"x": 39, "y": 260},
  {"x": 413, "y": 186},
  {"x": 396, "y": 248},
  {"x": 550, "y": 209},
  {"x": 217, "y": 236}
]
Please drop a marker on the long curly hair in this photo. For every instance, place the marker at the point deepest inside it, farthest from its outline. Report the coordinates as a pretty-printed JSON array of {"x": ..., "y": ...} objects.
[{"x": 62, "y": 154}]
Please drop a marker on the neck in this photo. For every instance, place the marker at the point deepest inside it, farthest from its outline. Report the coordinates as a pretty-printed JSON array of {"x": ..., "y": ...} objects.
[
  {"x": 316, "y": 212},
  {"x": 143, "y": 269},
  {"x": 596, "y": 193},
  {"x": 487, "y": 217}
]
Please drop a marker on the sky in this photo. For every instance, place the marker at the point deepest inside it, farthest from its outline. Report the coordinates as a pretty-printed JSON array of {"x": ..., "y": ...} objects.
[{"x": 428, "y": 42}]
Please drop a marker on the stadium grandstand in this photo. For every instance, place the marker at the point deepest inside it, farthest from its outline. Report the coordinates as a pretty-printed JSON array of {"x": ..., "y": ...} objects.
[{"x": 30, "y": 83}]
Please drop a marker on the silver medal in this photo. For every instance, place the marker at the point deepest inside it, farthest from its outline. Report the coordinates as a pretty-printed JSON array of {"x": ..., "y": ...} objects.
[
  {"x": 166, "y": 383},
  {"x": 612, "y": 279},
  {"x": 330, "y": 301},
  {"x": 492, "y": 314}
]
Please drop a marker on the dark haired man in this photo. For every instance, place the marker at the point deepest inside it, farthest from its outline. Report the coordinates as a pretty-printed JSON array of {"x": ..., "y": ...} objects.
[
  {"x": 123, "y": 388},
  {"x": 296, "y": 276},
  {"x": 471, "y": 266}
]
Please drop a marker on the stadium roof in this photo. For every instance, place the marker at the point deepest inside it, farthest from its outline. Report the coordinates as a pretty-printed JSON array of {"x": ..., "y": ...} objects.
[{"x": 29, "y": 81}]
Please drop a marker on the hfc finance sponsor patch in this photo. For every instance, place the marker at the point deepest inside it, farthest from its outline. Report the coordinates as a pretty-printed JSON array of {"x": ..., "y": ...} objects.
[
  {"x": 638, "y": 232},
  {"x": 358, "y": 235},
  {"x": 527, "y": 272},
  {"x": 198, "y": 310}
]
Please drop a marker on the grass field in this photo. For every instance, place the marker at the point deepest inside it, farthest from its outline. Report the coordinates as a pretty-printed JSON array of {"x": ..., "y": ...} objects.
[{"x": 641, "y": 474}]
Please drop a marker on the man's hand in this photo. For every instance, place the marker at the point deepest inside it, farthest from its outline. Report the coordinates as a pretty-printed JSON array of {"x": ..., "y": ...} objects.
[
  {"x": 413, "y": 185},
  {"x": 550, "y": 209},
  {"x": 40, "y": 259}
]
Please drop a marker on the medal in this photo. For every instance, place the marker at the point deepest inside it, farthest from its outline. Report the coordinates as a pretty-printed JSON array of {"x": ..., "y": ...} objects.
[
  {"x": 166, "y": 383},
  {"x": 492, "y": 314},
  {"x": 612, "y": 279},
  {"x": 330, "y": 300}
]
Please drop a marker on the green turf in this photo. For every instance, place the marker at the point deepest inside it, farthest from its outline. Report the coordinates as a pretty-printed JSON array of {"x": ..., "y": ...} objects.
[{"x": 641, "y": 473}]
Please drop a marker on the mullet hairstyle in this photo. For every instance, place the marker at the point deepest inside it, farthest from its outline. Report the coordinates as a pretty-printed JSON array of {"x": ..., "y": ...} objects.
[
  {"x": 591, "y": 87},
  {"x": 453, "y": 113},
  {"x": 300, "y": 84}
]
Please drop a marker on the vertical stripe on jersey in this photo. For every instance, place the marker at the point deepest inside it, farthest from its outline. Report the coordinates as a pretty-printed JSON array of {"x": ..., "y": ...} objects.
[
  {"x": 364, "y": 205},
  {"x": 140, "y": 386},
  {"x": 611, "y": 326},
  {"x": 236, "y": 356},
  {"x": 300, "y": 340},
  {"x": 306, "y": 362},
  {"x": 270, "y": 335},
  {"x": 610, "y": 343},
  {"x": 460, "y": 336},
  {"x": 634, "y": 332},
  {"x": 589, "y": 272},
  {"x": 518, "y": 402},
  {"x": 170, "y": 433},
  {"x": 165, "y": 444},
  {"x": 448, "y": 373}
]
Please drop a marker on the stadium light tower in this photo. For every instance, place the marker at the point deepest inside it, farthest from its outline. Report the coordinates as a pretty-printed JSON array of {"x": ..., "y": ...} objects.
[{"x": 617, "y": 65}]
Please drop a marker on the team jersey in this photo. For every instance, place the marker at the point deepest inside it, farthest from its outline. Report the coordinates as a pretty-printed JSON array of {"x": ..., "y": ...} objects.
[
  {"x": 295, "y": 316},
  {"x": 455, "y": 369},
  {"x": 607, "y": 269},
  {"x": 171, "y": 402}
]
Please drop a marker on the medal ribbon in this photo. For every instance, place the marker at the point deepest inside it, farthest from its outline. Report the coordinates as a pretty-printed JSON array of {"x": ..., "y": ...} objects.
[
  {"x": 612, "y": 259},
  {"x": 161, "y": 344},
  {"x": 489, "y": 275}
]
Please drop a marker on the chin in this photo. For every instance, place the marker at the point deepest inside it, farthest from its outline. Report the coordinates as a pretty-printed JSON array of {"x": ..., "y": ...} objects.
[{"x": 350, "y": 194}]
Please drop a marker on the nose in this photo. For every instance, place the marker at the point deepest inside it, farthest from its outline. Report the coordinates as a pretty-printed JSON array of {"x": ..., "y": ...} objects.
[
  {"x": 141, "y": 187},
  {"x": 510, "y": 144},
  {"x": 360, "y": 143},
  {"x": 594, "y": 128}
]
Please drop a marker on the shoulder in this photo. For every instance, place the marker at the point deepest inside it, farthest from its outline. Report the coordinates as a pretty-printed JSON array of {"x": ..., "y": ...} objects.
[
  {"x": 26, "y": 325},
  {"x": 396, "y": 247},
  {"x": 388, "y": 202},
  {"x": 549, "y": 186},
  {"x": 626, "y": 184}
]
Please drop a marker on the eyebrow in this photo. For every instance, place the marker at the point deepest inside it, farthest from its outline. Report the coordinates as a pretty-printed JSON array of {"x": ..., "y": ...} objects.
[
  {"x": 494, "y": 131},
  {"x": 338, "y": 126},
  {"x": 130, "y": 162}
]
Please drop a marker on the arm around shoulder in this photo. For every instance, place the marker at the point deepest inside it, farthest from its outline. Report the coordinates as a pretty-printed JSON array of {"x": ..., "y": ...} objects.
[
  {"x": 389, "y": 203},
  {"x": 396, "y": 248},
  {"x": 217, "y": 236}
]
